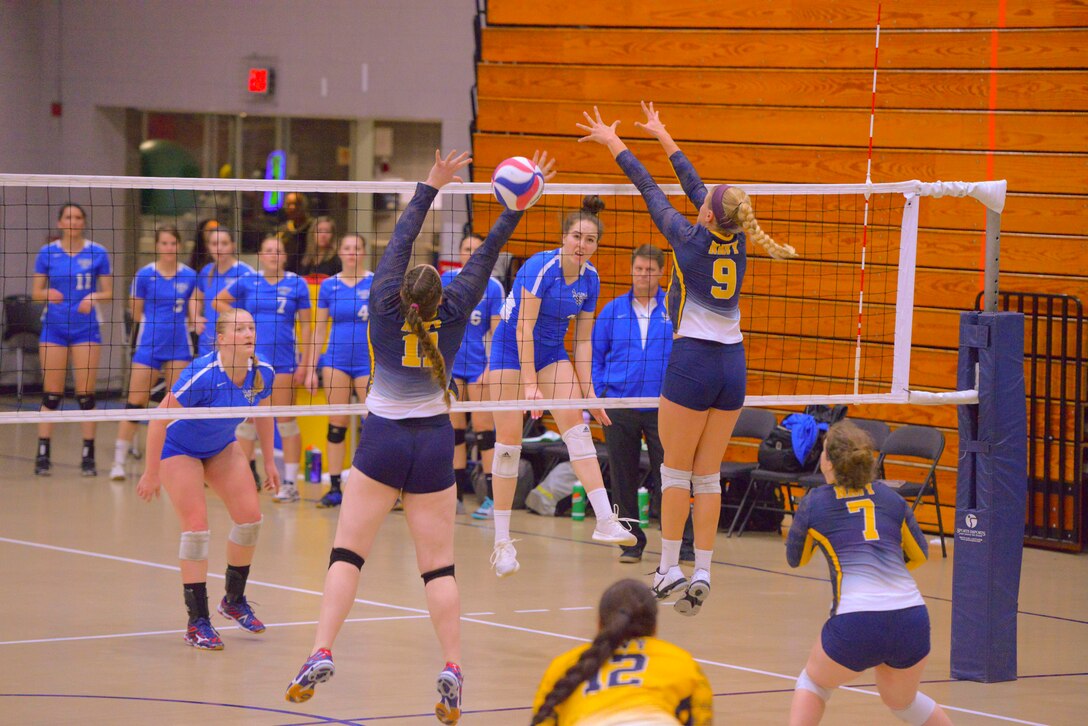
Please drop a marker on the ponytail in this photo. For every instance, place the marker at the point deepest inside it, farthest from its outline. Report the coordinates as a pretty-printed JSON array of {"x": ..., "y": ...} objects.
[
  {"x": 258, "y": 379},
  {"x": 755, "y": 233},
  {"x": 420, "y": 295},
  {"x": 731, "y": 206},
  {"x": 430, "y": 350}
]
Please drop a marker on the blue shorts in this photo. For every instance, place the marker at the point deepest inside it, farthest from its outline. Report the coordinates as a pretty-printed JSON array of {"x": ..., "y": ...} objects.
[
  {"x": 863, "y": 640},
  {"x": 703, "y": 374},
  {"x": 155, "y": 358},
  {"x": 279, "y": 357},
  {"x": 414, "y": 455},
  {"x": 504, "y": 351},
  {"x": 71, "y": 333},
  {"x": 468, "y": 374},
  {"x": 173, "y": 448},
  {"x": 353, "y": 366}
]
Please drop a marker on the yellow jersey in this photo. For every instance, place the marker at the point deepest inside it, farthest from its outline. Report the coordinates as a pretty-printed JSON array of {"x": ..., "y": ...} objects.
[{"x": 646, "y": 680}]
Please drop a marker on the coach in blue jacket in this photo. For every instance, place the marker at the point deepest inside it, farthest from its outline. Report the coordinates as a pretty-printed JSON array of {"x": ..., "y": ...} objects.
[{"x": 632, "y": 339}]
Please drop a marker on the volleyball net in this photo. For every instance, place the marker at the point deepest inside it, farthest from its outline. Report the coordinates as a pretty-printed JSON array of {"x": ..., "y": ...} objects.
[{"x": 833, "y": 325}]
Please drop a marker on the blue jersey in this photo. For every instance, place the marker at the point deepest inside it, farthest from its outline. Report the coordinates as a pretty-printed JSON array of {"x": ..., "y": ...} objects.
[
  {"x": 273, "y": 307},
  {"x": 709, "y": 266},
  {"x": 472, "y": 357},
  {"x": 205, "y": 384},
  {"x": 542, "y": 277},
  {"x": 163, "y": 327},
  {"x": 865, "y": 535},
  {"x": 75, "y": 276},
  {"x": 349, "y": 314},
  {"x": 401, "y": 385},
  {"x": 211, "y": 282}
]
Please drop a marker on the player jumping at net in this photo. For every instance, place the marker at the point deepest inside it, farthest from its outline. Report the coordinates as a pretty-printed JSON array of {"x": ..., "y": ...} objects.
[
  {"x": 343, "y": 300},
  {"x": 277, "y": 300},
  {"x": 406, "y": 447},
  {"x": 529, "y": 357},
  {"x": 878, "y": 618},
  {"x": 184, "y": 453},
  {"x": 71, "y": 276},
  {"x": 705, "y": 380},
  {"x": 470, "y": 374},
  {"x": 161, "y": 303}
]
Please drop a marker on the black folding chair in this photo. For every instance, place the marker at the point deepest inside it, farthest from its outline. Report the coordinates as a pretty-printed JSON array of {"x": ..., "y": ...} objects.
[
  {"x": 916, "y": 442},
  {"x": 878, "y": 431},
  {"x": 22, "y": 328},
  {"x": 754, "y": 423}
]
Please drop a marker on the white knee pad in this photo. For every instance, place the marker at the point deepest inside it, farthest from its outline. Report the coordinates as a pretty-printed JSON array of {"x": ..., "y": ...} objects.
[
  {"x": 246, "y": 430},
  {"x": 245, "y": 535},
  {"x": 918, "y": 712},
  {"x": 506, "y": 461},
  {"x": 675, "y": 479},
  {"x": 579, "y": 443},
  {"x": 806, "y": 684},
  {"x": 194, "y": 545},
  {"x": 707, "y": 484},
  {"x": 289, "y": 429}
]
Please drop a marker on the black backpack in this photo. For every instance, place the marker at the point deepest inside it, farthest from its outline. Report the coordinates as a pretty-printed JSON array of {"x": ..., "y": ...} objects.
[{"x": 776, "y": 450}]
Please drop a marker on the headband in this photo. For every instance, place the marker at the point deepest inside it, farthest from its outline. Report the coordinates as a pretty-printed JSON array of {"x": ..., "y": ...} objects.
[{"x": 716, "y": 205}]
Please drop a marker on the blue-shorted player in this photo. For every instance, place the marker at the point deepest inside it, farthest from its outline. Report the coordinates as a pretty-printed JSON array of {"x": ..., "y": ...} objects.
[
  {"x": 214, "y": 277},
  {"x": 162, "y": 304},
  {"x": 469, "y": 372},
  {"x": 278, "y": 300},
  {"x": 343, "y": 311},
  {"x": 71, "y": 276},
  {"x": 186, "y": 452},
  {"x": 529, "y": 360},
  {"x": 878, "y": 617},
  {"x": 705, "y": 380},
  {"x": 406, "y": 447}
]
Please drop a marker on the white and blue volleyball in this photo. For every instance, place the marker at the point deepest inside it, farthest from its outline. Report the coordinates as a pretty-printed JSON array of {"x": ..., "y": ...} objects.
[{"x": 517, "y": 183}]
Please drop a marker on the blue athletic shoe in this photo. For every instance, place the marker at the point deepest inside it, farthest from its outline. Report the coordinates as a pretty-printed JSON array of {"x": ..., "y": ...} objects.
[
  {"x": 330, "y": 500},
  {"x": 202, "y": 635},
  {"x": 241, "y": 613},
  {"x": 448, "y": 708},
  {"x": 317, "y": 669},
  {"x": 484, "y": 510}
]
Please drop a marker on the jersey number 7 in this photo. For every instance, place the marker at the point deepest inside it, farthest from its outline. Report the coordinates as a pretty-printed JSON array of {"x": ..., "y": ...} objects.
[{"x": 868, "y": 513}]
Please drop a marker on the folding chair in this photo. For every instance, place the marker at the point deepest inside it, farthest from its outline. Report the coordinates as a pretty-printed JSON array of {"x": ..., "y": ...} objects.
[
  {"x": 754, "y": 423},
  {"x": 22, "y": 328},
  {"x": 878, "y": 431},
  {"x": 918, "y": 442}
]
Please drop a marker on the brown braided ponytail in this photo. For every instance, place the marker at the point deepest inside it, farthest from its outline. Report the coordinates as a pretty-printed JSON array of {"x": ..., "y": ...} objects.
[
  {"x": 737, "y": 206},
  {"x": 627, "y": 610},
  {"x": 420, "y": 295}
]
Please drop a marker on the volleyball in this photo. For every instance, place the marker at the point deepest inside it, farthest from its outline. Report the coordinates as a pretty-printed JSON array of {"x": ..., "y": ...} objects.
[{"x": 517, "y": 183}]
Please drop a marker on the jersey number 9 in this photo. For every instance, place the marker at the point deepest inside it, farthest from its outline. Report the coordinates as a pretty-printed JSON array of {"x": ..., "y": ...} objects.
[{"x": 725, "y": 274}]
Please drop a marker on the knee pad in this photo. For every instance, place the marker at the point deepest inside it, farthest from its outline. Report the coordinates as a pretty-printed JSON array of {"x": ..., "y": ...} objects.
[
  {"x": 446, "y": 571},
  {"x": 245, "y": 535},
  {"x": 579, "y": 443},
  {"x": 86, "y": 401},
  {"x": 918, "y": 712},
  {"x": 194, "y": 545},
  {"x": 51, "y": 401},
  {"x": 485, "y": 440},
  {"x": 246, "y": 430},
  {"x": 675, "y": 479},
  {"x": 706, "y": 484},
  {"x": 341, "y": 554},
  {"x": 804, "y": 683},
  {"x": 288, "y": 429},
  {"x": 458, "y": 437},
  {"x": 506, "y": 461},
  {"x": 134, "y": 407},
  {"x": 336, "y": 434}
]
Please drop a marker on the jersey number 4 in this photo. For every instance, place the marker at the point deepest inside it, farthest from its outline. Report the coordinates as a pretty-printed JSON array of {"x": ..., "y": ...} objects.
[
  {"x": 725, "y": 274},
  {"x": 868, "y": 513},
  {"x": 621, "y": 669}
]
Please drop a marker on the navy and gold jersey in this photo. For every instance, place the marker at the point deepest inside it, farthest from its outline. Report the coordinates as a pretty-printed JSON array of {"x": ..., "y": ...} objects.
[
  {"x": 401, "y": 385},
  {"x": 645, "y": 678},
  {"x": 870, "y": 538},
  {"x": 708, "y": 266}
]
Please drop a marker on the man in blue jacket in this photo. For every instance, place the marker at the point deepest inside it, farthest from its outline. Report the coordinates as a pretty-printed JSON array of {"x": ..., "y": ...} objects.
[{"x": 632, "y": 339}]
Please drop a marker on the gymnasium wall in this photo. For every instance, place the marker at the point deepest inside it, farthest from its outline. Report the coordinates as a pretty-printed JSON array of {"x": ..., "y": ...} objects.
[{"x": 762, "y": 92}]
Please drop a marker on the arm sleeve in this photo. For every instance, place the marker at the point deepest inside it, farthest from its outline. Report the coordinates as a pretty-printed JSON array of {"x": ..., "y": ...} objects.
[
  {"x": 602, "y": 342},
  {"x": 385, "y": 291},
  {"x": 324, "y": 295},
  {"x": 103, "y": 264},
  {"x": 551, "y": 675},
  {"x": 915, "y": 546},
  {"x": 139, "y": 286},
  {"x": 467, "y": 289},
  {"x": 187, "y": 392},
  {"x": 495, "y": 298},
  {"x": 689, "y": 178},
  {"x": 702, "y": 700},
  {"x": 671, "y": 223},
  {"x": 590, "y": 304},
  {"x": 302, "y": 294},
  {"x": 799, "y": 545},
  {"x": 41, "y": 264}
]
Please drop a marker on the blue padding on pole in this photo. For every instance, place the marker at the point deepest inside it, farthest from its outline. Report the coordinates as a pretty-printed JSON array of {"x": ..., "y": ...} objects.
[{"x": 991, "y": 498}]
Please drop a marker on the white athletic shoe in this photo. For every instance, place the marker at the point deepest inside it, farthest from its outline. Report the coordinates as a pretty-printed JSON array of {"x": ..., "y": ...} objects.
[
  {"x": 665, "y": 584},
  {"x": 117, "y": 473},
  {"x": 695, "y": 595},
  {"x": 612, "y": 530},
  {"x": 287, "y": 494},
  {"x": 504, "y": 558}
]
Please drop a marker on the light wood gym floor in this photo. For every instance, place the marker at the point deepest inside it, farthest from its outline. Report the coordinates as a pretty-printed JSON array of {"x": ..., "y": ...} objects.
[{"x": 91, "y": 617}]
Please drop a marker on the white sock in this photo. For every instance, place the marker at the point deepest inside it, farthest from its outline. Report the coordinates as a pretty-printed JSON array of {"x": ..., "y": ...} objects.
[
  {"x": 702, "y": 559},
  {"x": 290, "y": 472},
  {"x": 670, "y": 554},
  {"x": 601, "y": 506},
  {"x": 502, "y": 523},
  {"x": 120, "y": 451}
]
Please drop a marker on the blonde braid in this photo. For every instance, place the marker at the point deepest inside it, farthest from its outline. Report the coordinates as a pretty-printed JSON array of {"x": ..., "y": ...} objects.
[
  {"x": 258, "y": 379},
  {"x": 755, "y": 233},
  {"x": 430, "y": 350}
]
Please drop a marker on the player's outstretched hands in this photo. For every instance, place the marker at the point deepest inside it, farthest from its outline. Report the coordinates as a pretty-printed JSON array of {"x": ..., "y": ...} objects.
[
  {"x": 149, "y": 486},
  {"x": 445, "y": 170},
  {"x": 652, "y": 125},
  {"x": 597, "y": 130},
  {"x": 546, "y": 164}
]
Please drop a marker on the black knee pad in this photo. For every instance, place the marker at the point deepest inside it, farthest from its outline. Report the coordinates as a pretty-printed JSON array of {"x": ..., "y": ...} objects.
[
  {"x": 458, "y": 437},
  {"x": 86, "y": 401},
  {"x": 134, "y": 407},
  {"x": 485, "y": 440},
  {"x": 340, "y": 554},
  {"x": 51, "y": 401},
  {"x": 336, "y": 434},
  {"x": 446, "y": 571}
]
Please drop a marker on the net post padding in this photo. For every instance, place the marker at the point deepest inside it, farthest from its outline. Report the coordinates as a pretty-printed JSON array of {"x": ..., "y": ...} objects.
[
  {"x": 991, "y": 498},
  {"x": 904, "y": 303}
]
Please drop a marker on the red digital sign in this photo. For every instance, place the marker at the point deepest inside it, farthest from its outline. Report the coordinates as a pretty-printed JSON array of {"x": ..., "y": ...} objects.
[{"x": 260, "y": 81}]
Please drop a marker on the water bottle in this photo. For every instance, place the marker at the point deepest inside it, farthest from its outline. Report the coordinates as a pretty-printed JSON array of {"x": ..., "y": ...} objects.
[
  {"x": 643, "y": 507},
  {"x": 308, "y": 461},
  {"x": 315, "y": 467},
  {"x": 578, "y": 503}
]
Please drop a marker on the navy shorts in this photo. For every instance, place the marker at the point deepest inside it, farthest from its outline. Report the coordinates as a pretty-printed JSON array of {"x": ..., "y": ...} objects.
[
  {"x": 414, "y": 455},
  {"x": 863, "y": 640},
  {"x": 703, "y": 374}
]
